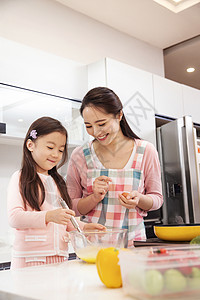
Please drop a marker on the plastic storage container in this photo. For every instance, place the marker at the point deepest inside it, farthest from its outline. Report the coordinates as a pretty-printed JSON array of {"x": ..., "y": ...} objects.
[{"x": 161, "y": 273}]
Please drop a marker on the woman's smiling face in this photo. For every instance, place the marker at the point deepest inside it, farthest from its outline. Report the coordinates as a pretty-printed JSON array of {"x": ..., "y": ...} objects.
[{"x": 102, "y": 126}]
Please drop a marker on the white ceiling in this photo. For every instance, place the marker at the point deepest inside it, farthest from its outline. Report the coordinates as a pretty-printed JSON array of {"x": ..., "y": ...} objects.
[
  {"x": 143, "y": 19},
  {"x": 150, "y": 22}
]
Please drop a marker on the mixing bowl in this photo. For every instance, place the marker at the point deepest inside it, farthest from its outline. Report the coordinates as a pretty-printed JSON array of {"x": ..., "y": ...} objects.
[{"x": 87, "y": 244}]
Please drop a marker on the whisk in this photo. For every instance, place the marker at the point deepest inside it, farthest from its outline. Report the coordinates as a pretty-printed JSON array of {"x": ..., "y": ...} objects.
[
  {"x": 73, "y": 220},
  {"x": 75, "y": 223}
]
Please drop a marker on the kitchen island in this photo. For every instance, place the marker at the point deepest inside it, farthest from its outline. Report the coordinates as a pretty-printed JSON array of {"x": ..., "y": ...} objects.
[{"x": 73, "y": 280}]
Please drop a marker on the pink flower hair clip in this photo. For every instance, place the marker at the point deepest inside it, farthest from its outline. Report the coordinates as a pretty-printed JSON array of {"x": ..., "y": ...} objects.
[{"x": 33, "y": 134}]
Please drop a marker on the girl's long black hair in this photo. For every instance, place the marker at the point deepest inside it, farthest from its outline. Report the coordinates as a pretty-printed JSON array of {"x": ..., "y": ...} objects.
[{"x": 31, "y": 187}]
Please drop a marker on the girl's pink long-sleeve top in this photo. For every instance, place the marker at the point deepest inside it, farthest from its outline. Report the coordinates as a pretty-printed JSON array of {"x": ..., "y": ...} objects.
[
  {"x": 33, "y": 237},
  {"x": 150, "y": 185}
]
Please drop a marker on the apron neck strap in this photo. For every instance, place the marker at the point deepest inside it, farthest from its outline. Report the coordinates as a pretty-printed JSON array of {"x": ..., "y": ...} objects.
[
  {"x": 139, "y": 153},
  {"x": 88, "y": 155}
]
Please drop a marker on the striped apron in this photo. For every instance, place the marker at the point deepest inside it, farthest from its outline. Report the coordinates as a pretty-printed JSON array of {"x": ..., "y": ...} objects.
[{"x": 109, "y": 211}]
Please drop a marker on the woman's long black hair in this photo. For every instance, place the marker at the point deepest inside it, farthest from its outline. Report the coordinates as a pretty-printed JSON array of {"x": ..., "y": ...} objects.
[
  {"x": 105, "y": 99},
  {"x": 31, "y": 186}
]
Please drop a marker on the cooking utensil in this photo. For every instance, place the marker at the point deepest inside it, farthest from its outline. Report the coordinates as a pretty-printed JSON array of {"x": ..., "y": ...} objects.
[
  {"x": 74, "y": 222},
  {"x": 179, "y": 232}
]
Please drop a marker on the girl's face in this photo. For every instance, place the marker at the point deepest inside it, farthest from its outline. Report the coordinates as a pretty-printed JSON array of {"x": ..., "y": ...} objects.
[
  {"x": 47, "y": 151},
  {"x": 102, "y": 126}
]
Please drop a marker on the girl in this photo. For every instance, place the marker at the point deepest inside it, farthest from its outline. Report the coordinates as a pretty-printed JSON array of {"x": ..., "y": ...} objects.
[
  {"x": 33, "y": 195},
  {"x": 116, "y": 161}
]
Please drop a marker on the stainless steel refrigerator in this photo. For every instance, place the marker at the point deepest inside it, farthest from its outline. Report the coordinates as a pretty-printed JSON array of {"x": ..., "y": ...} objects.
[{"x": 177, "y": 148}]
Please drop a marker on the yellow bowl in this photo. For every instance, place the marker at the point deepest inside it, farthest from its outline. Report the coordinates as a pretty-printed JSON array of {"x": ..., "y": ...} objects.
[{"x": 182, "y": 233}]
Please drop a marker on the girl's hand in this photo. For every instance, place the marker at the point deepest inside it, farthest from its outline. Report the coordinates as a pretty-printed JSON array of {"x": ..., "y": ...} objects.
[
  {"x": 130, "y": 200},
  {"x": 92, "y": 226},
  {"x": 100, "y": 187},
  {"x": 59, "y": 216}
]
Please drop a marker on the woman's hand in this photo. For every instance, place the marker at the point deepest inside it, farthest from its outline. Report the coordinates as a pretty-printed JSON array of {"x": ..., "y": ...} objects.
[
  {"x": 92, "y": 226},
  {"x": 100, "y": 187},
  {"x": 59, "y": 216},
  {"x": 130, "y": 200}
]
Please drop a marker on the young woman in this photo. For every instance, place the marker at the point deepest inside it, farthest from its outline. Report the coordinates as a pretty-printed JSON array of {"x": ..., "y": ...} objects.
[
  {"x": 116, "y": 161},
  {"x": 34, "y": 193}
]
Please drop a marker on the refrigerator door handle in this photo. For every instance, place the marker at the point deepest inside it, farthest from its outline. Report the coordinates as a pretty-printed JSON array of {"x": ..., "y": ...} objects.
[
  {"x": 173, "y": 191},
  {"x": 168, "y": 189}
]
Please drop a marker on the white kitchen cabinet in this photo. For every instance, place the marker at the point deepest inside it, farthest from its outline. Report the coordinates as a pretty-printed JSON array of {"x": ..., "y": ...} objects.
[
  {"x": 38, "y": 70},
  {"x": 97, "y": 74},
  {"x": 167, "y": 97},
  {"x": 191, "y": 102},
  {"x": 135, "y": 90}
]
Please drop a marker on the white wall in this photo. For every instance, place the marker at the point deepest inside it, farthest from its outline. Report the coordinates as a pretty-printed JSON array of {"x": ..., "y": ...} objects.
[{"x": 54, "y": 28}]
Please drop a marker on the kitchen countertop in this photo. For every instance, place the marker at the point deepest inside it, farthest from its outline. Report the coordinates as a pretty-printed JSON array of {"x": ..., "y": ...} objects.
[{"x": 71, "y": 280}]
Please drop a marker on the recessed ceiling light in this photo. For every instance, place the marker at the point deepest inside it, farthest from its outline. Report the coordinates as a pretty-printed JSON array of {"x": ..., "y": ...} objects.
[
  {"x": 177, "y": 5},
  {"x": 20, "y": 120},
  {"x": 190, "y": 70}
]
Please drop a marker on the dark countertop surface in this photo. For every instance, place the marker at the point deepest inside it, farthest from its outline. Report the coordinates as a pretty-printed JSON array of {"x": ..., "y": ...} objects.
[{"x": 157, "y": 242}]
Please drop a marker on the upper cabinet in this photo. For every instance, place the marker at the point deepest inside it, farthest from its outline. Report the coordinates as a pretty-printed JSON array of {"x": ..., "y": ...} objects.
[
  {"x": 176, "y": 100},
  {"x": 167, "y": 97},
  {"x": 191, "y": 102},
  {"x": 19, "y": 108},
  {"x": 134, "y": 88},
  {"x": 37, "y": 70}
]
